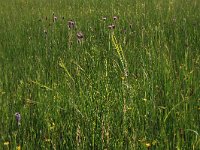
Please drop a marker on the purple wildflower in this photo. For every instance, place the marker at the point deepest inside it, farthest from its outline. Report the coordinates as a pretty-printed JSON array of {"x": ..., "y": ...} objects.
[{"x": 18, "y": 117}]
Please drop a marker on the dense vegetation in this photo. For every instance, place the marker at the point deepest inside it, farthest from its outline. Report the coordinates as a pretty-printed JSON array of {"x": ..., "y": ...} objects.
[{"x": 100, "y": 74}]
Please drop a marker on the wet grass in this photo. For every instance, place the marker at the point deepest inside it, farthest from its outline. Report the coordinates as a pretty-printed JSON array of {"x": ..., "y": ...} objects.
[{"x": 132, "y": 87}]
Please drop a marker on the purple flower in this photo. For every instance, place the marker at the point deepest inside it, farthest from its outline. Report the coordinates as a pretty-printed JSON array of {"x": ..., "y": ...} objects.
[
  {"x": 18, "y": 117},
  {"x": 71, "y": 24}
]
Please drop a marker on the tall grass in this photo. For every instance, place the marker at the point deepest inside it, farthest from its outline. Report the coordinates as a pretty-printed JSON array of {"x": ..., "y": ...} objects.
[{"x": 132, "y": 87}]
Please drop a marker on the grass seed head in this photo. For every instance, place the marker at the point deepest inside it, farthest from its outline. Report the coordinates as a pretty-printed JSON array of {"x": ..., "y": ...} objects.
[
  {"x": 18, "y": 117},
  {"x": 71, "y": 24},
  {"x": 112, "y": 26},
  {"x": 45, "y": 31},
  {"x": 115, "y": 17},
  {"x": 55, "y": 18},
  {"x": 80, "y": 35},
  {"x": 104, "y": 18}
]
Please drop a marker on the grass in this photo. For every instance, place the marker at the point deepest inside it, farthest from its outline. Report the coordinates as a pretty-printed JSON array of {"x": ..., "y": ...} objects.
[{"x": 133, "y": 87}]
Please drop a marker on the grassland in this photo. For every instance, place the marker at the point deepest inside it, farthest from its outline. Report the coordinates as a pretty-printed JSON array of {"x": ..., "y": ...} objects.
[{"x": 136, "y": 86}]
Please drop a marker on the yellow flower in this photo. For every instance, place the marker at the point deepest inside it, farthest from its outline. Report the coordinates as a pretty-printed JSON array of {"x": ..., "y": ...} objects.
[
  {"x": 148, "y": 145},
  {"x": 47, "y": 140},
  {"x": 18, "y": 147},
  {"x": 52, "y": 126},
  {"x": 6, "y": 143}
]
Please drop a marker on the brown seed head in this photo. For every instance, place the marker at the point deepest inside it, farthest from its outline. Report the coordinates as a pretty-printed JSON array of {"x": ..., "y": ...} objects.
[
  {"x": 80, "y": 35},
  {"x": 115, "y": 17},
  {"x": 71, "y": 24},
  {"x": 55, "y": 18},
  {"x": 112, "y": 26}
]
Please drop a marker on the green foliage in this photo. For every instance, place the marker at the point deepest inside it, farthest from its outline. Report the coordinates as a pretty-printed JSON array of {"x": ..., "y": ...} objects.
[{"x": 133, "y": 86}]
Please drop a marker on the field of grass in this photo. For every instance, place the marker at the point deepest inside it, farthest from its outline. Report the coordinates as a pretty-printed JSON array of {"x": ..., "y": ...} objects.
[{"x": 135, "y": 86}]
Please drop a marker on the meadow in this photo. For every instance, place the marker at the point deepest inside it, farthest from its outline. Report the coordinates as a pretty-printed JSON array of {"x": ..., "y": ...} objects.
[{"x": 100, "y": 74}]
